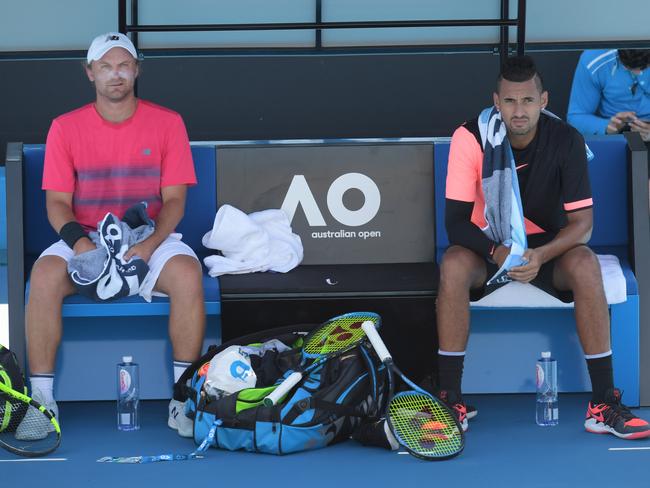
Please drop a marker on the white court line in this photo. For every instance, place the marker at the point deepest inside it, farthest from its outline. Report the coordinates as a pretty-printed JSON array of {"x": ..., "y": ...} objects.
[
  {"x": 629, "y": 449},
  {"x": 31, "y": 460},
  {"x": 402, "y": 452}
]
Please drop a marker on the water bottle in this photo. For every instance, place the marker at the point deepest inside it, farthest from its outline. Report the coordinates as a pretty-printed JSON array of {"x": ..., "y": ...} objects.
[
  {"x": 547, "y": 409},
  {"x": 128, "y": 394}
]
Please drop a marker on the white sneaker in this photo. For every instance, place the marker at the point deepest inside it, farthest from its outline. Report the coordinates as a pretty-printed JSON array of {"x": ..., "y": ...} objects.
[
  {"x": 35, "y": 426},
  {"x": 178, "y": 420}
]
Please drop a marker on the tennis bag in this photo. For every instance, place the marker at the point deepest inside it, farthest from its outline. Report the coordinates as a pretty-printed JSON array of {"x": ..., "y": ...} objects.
[
  {"x": 11, "y": 376},
  {"x": 323, "y": 409}
]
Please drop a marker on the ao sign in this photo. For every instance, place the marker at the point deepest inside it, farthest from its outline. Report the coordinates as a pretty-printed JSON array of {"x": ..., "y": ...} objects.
[{"x": 299, "y": 193}]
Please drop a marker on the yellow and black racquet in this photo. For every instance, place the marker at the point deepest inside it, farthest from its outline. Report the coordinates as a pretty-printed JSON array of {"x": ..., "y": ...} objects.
[
  {"x": 27, "y": 428},
  {"x": 421, "y": 423},
  {"x": 332, "y": 338}
]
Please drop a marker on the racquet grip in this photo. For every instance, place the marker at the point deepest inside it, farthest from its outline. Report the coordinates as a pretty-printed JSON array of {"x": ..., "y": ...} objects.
[
  {"x": 283, "y": 388},
  {"x": 379, "y": 346}
]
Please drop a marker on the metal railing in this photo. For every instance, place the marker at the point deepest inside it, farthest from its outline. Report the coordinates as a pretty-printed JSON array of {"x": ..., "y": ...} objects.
[{"x": 504, "y": 23}]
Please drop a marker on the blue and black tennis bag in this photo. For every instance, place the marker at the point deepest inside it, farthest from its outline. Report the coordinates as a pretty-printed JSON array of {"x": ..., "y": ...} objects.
[{"x": 323, "y": 409}]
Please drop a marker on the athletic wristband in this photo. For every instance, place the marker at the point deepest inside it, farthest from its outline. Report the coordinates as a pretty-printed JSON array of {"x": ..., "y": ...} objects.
[{"x": 71, "y": 233}]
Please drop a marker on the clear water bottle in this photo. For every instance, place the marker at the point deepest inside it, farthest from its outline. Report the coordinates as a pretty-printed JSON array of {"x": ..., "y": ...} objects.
[
  {"x": 128, "y": 394},
  {"x": 547, "y": 408}
]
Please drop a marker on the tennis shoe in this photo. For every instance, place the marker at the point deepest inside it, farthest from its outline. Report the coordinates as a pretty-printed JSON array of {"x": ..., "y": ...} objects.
[
  {"x": 612, "y": 417},
  {"x": 455, "y": 401},
  {"x": 35, "y": 426},
  {"x": 472, "y": 411},
  {"x": 178, "y": 420},
  {"x": 428, "y": 384}
]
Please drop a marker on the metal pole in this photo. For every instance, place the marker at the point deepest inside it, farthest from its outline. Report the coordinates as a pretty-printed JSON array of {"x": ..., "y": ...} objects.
[
  {"x": 521, "y": 27},
  {"x": 319, "y": 19},
  {"x": 121, "y": 16},
  {"x": 134, "y": 21},
  {"x": 504, "y": 31}
]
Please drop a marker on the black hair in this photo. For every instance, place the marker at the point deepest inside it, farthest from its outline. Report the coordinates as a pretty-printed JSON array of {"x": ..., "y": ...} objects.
[
  {"x": 520, "y": 69},
  {"x": 634, "y": 58}
]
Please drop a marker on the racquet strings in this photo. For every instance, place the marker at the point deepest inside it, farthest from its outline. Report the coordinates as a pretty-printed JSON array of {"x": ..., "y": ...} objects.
[
  {"x": 25, "y": 429},
  {"x": 424, "y": 426},
  {"x": 337, "y": 335}
]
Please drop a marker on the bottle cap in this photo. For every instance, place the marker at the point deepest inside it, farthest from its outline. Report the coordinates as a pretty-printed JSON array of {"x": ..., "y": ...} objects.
[
  {"x": 129, "y": 359},
  {"x": 546, "y": 354}
]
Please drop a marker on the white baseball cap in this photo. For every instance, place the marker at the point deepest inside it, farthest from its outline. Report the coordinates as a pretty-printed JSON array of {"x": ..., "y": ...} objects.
[{"x": 104, "y": 43}]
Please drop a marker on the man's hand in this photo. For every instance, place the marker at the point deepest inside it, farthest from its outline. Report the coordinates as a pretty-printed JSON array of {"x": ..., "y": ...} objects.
[
  {"x": 643, "y": 128},
  {"x": 83, "y": 245},
  {"x": 500, "y": 254},
  {"x": 143, "y": 249},
  {"x": 527, "y": 272},
  {"x": 618, "y": 121}
]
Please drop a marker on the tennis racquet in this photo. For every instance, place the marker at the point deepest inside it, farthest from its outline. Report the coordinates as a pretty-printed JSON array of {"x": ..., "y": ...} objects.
[
  {"x": 421, "y": 423},
  {"x": 330, "y": 339},
  {"x": 27, "y": 428}
]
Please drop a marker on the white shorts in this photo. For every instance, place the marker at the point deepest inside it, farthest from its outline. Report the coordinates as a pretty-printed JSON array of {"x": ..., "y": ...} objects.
[{"x": 170, "y": 247}]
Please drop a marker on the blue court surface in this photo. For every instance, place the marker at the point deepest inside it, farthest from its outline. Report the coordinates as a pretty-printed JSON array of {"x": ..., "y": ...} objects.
[{"x": 504, "y": 448}]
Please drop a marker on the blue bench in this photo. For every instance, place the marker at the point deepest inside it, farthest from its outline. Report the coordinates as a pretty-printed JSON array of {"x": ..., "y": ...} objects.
[
  {"x": 143, "y": 337},
  {"x": 505, "y": 341},
  {"x": 525, "y": 332}
]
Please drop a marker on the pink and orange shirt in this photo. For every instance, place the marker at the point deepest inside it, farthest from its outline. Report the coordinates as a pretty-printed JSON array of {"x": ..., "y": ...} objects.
[
  {"x": 110, "y": 166},
  {"x": 552, "y": 173}
]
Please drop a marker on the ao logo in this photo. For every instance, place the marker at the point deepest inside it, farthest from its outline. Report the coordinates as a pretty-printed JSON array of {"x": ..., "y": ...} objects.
[{"x": 299, "y": 193}]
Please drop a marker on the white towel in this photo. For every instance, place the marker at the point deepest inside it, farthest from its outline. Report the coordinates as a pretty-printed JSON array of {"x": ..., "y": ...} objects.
[{"x": 260, "y": 241}]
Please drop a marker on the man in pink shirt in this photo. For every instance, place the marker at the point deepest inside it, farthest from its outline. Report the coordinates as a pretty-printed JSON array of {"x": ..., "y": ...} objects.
[{"x": 105, "y": 157}]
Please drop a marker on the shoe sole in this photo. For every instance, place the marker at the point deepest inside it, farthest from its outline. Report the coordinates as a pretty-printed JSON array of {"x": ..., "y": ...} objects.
[{"x": 599, "y": 428}]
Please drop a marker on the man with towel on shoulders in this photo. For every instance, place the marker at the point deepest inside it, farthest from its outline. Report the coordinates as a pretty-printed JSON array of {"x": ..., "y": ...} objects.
[{"x": 519, "y": 207}]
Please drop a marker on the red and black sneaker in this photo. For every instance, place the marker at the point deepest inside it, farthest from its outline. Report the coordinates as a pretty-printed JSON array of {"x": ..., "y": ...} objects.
[
  {"x": 612, "y": 417},
  {"x": 457, "y": 405}
]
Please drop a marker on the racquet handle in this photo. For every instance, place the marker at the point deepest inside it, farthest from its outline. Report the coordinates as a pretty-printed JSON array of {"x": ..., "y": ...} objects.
[
  {"x": 379, "y": 346},
  {"x": 283, "y": 388}
]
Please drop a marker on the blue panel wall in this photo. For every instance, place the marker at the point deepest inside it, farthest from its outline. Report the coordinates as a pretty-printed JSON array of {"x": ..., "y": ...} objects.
[{"x": 87, "y": 359}]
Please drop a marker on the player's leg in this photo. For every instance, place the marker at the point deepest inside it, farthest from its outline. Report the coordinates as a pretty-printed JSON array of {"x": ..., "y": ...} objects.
[
  {"x": 460, "y": 271},
  {"x": 176, "y": 272},
  {"x": 49, "y": 285},
  {"x": 578, "y": 270}
]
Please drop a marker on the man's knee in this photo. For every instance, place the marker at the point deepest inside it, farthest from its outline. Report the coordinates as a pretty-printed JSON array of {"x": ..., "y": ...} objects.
[
  {"x": 461, "y": 267},
  {"x": 181, "y": 276},
  {"x": 49, "y": 278},
  {"x": 580, "y": 266}
]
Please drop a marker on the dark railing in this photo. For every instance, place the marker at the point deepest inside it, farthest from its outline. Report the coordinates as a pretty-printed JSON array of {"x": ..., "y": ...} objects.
[{"x": 504, "y": 23}]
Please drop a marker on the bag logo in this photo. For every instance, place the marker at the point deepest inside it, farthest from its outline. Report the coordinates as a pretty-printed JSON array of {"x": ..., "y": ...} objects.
[{"x": 240, "y": 370}]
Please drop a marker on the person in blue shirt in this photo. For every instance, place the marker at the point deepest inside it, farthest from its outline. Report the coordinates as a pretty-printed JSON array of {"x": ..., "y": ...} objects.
[{"x": 611, "y": 92}]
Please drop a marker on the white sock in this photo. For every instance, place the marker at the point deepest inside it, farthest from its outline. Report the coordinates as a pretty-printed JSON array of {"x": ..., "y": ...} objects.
[
  {"x": 45, "y": 384},
  {"x": 179, "y": 369}
]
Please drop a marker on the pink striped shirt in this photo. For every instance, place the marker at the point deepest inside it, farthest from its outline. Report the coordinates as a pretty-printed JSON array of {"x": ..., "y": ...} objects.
[{"x": 110, "y": 166}]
